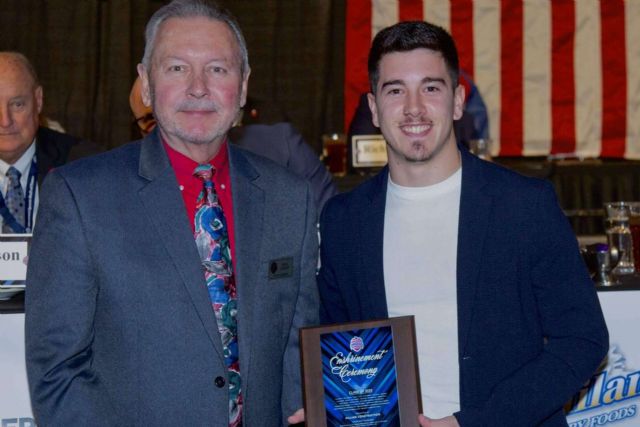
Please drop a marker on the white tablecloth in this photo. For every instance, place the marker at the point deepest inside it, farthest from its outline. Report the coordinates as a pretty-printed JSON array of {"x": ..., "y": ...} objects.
[{"x": 601, "y": 407}]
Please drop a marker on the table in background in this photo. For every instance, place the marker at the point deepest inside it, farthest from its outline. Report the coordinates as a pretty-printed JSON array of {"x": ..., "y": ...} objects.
[
  {"x": 13, "y": 305},
  {"x": 582, "y": 186},
  {"x": 611, "y": 398}
]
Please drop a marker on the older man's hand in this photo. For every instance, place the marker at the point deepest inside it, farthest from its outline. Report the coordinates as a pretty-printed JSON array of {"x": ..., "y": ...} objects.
[
  {"x": 449, "y": 421},
  {"x": 297, "y": 417}
]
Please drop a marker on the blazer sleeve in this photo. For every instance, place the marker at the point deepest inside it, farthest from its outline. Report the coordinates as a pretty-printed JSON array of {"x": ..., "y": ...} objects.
[
  {"x": 568, "y": 310},
  {"x": 306, "y": 313},
  {"x": 332, "y": 304},
  {"x": 60, "y": 305}
]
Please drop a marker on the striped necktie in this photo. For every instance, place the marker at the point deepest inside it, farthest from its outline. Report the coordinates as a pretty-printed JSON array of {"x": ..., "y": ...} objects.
[{"x": 14, "y": 201}]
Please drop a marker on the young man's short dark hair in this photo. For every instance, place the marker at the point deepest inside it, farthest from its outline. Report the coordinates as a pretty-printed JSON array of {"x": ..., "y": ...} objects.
[{"x": 410, "y": 35}]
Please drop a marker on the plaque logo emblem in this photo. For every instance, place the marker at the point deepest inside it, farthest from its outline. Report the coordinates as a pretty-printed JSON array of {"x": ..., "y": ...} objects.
[{"x": 356, "y": 344}]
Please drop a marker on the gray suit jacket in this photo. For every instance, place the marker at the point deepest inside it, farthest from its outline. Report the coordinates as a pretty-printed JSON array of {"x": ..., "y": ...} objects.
[{"x": 119, "y": 326}]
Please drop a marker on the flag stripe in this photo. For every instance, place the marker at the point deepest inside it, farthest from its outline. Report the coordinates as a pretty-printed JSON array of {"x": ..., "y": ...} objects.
[
  {"x": 357, "y": 42},
  {"x": 383, "y": 14},
  {"x": 486, "y": 73},
  {"x": 462, "y": 32},
  {"x": 632, "y": 32},
  {"x": 438, "y": 12},
  {"x": 511, "y": 76},
  {"x": 537, "y": 78},
  {"x": 562, "y": 72},
  {"x": 410, "y": 10},
  {"x": 614, "y": 78},
  {"x": 588, "y": 79}
]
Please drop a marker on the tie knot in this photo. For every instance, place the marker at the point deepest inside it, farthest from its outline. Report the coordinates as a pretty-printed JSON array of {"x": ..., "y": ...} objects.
[
  {"x": 204, "y": 172},
  {"x": 13, "y": 174}
]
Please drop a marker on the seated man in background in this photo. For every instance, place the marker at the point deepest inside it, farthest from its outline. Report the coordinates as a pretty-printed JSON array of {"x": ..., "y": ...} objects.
[
  {"x": 27, "y": 150},
  {"x": 279, "y": 142}
]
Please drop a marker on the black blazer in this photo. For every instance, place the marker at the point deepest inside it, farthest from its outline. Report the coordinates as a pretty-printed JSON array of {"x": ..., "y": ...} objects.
[{"x": 530, "y": 327}]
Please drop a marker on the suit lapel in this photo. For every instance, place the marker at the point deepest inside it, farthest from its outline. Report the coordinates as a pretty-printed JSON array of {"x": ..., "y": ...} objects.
[
  {"x": 370, "y": 256},
  {"x": 248, "y": 212},
  {"x": 165, "y": 209},
  {"x": 475, "y": 207}
]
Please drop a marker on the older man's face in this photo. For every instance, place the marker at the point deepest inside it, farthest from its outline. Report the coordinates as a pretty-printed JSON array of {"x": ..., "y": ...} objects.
[
  {"x": 20, "y": 104},
  {"x": 195, "y": 83}
]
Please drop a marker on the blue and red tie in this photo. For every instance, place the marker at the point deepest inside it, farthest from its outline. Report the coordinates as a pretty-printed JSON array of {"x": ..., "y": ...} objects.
[{"x": 212, "y": 240}]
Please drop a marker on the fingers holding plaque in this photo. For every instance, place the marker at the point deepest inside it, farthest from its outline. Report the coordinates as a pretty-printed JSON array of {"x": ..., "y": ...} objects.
[{"x": 361, "y": 374}]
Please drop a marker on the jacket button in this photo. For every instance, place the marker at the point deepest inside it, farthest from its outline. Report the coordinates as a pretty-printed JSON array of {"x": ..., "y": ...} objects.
[{"x": 219, "y": 382}]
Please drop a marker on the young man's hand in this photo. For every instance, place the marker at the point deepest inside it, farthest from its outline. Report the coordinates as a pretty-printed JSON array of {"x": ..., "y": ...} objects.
[{"x": 297, "y": 417}]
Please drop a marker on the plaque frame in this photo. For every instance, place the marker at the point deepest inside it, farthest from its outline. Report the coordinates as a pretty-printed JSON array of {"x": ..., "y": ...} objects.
[{"x": 406, "y": 365}]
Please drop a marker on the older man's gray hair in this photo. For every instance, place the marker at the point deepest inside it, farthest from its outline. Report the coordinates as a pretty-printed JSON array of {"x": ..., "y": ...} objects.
[{"x": 192, "y": 9}]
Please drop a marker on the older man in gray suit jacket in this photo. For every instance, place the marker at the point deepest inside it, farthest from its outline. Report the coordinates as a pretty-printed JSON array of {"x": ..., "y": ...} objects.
[{"x": 126, "y": 321}]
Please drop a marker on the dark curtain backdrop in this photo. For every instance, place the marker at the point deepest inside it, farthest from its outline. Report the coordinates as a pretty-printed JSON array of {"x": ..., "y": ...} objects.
[{"x": 86, "y": 51}]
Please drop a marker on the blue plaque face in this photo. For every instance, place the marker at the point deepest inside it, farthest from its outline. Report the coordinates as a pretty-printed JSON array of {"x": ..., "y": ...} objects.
[{"x": 359, "y": 377}]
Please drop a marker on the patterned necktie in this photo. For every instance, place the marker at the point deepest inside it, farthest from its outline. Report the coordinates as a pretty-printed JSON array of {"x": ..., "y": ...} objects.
[
  {"x": 14, "y": 199},
  {"x": 212, "y": 240}
]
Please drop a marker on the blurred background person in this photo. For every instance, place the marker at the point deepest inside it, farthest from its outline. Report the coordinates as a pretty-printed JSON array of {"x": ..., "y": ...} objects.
[{"x": 27, "y": 150}]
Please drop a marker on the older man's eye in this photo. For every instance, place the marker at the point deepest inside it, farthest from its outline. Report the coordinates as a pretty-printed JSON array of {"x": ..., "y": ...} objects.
[
  {"x": 218, "y": 70},
  {"x": 176, "y": 68}
]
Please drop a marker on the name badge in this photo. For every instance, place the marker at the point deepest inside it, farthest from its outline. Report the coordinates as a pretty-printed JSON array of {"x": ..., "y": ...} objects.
[
  {"x": 14, "y": 250},
  {"x": 282, "y": 267}
]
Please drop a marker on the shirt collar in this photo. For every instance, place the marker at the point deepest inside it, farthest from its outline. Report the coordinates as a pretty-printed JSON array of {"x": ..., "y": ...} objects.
[
  {"x": 184, "y": 166},
  {"x": 23, "y": 164}
]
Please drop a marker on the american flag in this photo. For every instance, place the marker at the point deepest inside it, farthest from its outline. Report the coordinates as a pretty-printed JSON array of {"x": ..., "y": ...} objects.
[{"x": 559, "y": 77}]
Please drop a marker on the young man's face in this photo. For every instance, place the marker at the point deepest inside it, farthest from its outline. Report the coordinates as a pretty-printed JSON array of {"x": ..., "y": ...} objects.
[
  {"x": 195, "y": 84},
  {"x": 414, "y": 106}
]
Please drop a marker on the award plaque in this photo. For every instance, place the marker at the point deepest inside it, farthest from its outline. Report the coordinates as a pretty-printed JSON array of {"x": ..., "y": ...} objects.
[{"x": 361, "y": 374}]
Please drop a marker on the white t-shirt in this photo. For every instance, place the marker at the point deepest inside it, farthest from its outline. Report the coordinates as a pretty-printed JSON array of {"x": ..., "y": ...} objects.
[{"x": 419, "y": 260}]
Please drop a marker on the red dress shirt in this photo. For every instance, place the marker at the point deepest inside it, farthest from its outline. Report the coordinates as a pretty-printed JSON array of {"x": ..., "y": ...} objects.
[{"x": 190, "y": 186}]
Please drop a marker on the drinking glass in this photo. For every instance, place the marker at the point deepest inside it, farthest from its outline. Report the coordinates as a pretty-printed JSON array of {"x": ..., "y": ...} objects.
[
  {"x": 481, "y": 148},
  {"x": 634, "y": 226},
  {"x": 334, "y": 147},
  {"x": 618, "y": 231}
]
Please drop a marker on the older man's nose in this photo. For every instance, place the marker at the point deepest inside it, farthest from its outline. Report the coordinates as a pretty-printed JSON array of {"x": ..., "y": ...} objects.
[
  {"x": 6, "y": 119},
  {"x": 198, "y": 87}
]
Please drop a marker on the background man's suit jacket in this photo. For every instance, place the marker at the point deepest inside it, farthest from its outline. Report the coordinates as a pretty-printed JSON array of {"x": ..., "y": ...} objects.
[
  {"x": 281, "y": 143},
  {"x": 520, "y": 282},
  {"x": 119, "y": 325},
  {"x": 54, "y": 149}
]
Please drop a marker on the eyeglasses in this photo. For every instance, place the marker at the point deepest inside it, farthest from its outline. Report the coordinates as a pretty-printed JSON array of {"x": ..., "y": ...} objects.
[{"x": 146, "y": 123}]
